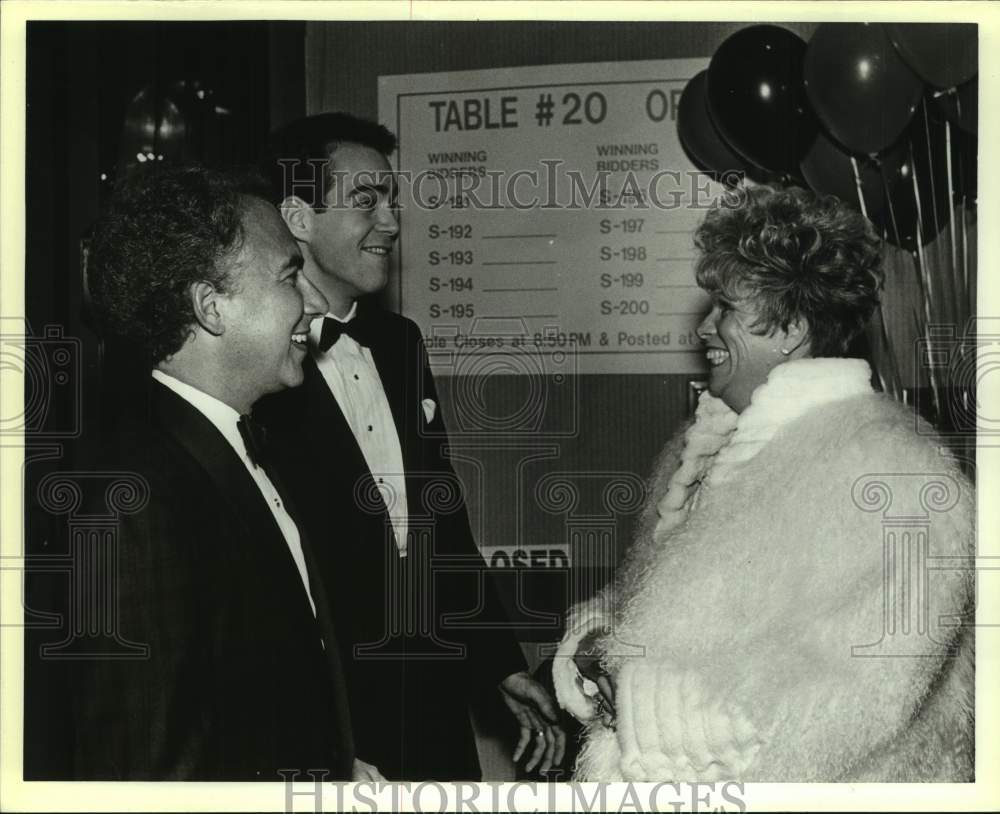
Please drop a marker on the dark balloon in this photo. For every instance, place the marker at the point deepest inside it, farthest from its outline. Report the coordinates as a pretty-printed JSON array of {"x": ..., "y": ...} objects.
[
  {"x": 943, "y": 54},
  {"x": 701, "y": 140},
  {"x": 887, "y": 182},
  {"x": 860, "y": 87},
  {"x": 827, "y": 169},
  {"x": 757, "y": 99},
  {"x": 961, "y": 106},
  {"x": 922, "y": 152}
]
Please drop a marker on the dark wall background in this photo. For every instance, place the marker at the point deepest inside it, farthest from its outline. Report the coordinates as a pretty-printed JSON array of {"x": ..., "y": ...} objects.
[
  {"x": 84, "y": 128},
  {"x": 343, "y": 60}
]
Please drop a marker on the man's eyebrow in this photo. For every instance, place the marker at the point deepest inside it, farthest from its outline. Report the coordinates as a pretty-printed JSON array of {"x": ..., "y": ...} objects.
[{"x": 385, "y": 187}]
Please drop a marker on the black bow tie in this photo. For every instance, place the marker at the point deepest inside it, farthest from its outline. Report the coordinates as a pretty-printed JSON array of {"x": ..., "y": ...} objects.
[
  {"x": 333, "y": 329},
  {"x": 254, "y": 437}
]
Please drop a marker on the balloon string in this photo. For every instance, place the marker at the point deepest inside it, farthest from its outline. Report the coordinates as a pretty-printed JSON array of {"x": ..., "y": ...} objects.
[
  {"x": 897, "y": 388},
  {"x": 930, "y": 168},
  {"x": 970, "y": 299},
  {"x": 966, "y": 199},
  {"x": 922, "y": 262},
  {"x": 951, "y": 200},
  {"x": 857, "y": 183},
  {"x": 970, "y": 304},
  {"x": 885, "y": 389},
  {"x": 890, "y": 353},
  {"x": 920, "y": 214},
  {"x": 888, "y": 199}
]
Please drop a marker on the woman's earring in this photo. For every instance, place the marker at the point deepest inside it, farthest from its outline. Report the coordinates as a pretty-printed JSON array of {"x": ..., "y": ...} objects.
[{"x": 785, "y": 352}]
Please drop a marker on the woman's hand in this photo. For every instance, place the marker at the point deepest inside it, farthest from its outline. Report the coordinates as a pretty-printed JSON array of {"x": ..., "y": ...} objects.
[{"x": 588, "y": 662}]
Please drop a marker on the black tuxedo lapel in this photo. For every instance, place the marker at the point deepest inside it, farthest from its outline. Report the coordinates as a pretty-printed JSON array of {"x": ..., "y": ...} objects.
[
  {"x": 328, "y": 421},
  {"x": 395, "y": 700},
  {"x": 202, "y": 440},
  {"x": 334, "y": 432},
  {"x": 320, "y": 408},
  {"x": 390, "y": 360},
  {"x": 397, "y": 363},
  {"x": 324, "y": 615},
  {"x": 205, "y": 444}
]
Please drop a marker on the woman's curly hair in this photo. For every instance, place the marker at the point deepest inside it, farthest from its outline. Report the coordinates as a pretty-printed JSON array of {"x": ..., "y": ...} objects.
[
  {"x": 164, "y": 230},
  {"x": 795, "y": 255}
]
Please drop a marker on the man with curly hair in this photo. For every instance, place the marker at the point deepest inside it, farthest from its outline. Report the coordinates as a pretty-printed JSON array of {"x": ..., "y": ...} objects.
[{"x": 225, "y": 665}]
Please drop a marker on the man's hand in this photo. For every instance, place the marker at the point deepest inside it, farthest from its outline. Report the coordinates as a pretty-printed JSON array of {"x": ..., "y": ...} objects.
[
  {"x": 535, "y": 712},
  {"x": 365, "y": 772}
]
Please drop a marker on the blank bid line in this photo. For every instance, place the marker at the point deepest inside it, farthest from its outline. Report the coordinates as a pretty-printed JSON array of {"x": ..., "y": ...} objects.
[
  {"x": 504, "y": 290},
  {"x": 676, "y": 285},
  {"x": 528, "y": 316},
  {"x": 509, "y": 237},
  {"x": 630, "y": 352},
  {"x": 520, "y": 263},
  {"x": 673, "y": 231},
  {"x": 681, "y": 313},
  {"x": 674, "y": 259}
]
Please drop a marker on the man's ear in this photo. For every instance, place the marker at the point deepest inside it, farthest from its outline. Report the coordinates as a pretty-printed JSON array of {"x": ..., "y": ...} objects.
[
  {"x": 205, "y": 302},
  {"x": 298, "y": 217}
]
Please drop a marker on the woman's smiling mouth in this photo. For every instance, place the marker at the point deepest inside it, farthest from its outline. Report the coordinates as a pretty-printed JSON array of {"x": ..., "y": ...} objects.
[{"x": 716, "y": 356}]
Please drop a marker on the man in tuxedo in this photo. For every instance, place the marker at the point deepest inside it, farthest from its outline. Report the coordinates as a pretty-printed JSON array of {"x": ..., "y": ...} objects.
[
  {"x": 361, "y": 447},
  {"x": 222, "y": 664}
]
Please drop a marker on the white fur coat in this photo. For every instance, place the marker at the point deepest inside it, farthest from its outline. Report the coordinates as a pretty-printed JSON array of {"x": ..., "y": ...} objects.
[{"x": 770, "y": 548}]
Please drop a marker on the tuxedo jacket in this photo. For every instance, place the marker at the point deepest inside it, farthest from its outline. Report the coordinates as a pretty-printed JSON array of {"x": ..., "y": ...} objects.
[
  {"x": 239, "y": 679},
  {"x": 417, "y": 633}
]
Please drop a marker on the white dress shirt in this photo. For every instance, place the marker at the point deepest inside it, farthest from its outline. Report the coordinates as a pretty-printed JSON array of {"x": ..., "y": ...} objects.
[
  {"x": 225, "y": 419},
  {"x": 351, "y": 375}
]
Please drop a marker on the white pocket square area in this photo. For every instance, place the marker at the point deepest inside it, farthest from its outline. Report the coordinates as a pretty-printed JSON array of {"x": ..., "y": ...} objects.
[{"x": 430, "y": 409}]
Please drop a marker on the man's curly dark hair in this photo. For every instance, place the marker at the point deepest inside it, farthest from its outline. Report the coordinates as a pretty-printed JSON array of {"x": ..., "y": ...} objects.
[
  {"x": 794, "y": 255},
  {"x": 164, "y": 230}
]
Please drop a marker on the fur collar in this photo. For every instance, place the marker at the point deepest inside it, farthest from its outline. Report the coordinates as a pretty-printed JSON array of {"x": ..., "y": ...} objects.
[{"x": 720, "y": 440}]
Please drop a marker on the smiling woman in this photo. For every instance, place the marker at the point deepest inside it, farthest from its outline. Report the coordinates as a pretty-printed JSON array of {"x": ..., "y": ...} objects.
[
  {"x": 791, "y": 276},
  {"x": 727, "y": 647}
]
